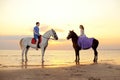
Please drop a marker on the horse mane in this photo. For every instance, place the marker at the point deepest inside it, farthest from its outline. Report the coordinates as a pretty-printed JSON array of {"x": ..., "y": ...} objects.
[
  {"x": 74, "y": 34},
  {"x": 47, "y": 31}
]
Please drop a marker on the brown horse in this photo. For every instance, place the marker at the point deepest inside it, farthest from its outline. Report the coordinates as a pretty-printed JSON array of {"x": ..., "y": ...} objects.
[{"x": 72, "y": 35}]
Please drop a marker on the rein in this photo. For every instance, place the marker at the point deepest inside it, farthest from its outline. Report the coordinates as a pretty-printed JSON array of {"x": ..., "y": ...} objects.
[{"x": 48, "y": 38}]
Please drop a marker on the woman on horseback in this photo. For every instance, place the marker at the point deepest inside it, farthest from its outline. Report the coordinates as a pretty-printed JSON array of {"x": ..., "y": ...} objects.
[{"x": 82, "y": 34}]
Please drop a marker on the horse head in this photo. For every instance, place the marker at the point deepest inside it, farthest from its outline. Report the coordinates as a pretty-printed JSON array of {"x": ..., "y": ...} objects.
[
  {"x": 72, "y": 34},
  {"x": 54, "y": 35}
]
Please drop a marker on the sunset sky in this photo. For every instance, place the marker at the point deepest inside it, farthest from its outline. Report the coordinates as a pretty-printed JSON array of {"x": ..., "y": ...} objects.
[{"x": 101, "y": 19}]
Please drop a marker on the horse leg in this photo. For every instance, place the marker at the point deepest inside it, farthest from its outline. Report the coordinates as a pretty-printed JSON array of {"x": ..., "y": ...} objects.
[
  {"x": 23, "y": 50},
  {"x": 78, "y": 56},
  {"x": 26, "y": 51},
  {"x": 75, "y": 56},
  {"x": 42, "y": 51},
  {"x": 94, "y": 46},
  {"x": 95, "y": 56}
]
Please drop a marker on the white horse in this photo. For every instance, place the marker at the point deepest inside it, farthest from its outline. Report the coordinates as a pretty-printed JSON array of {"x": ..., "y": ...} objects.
[{"x": 25, "y": 43}]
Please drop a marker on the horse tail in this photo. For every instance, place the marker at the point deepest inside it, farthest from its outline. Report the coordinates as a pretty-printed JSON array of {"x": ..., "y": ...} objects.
[
  {"x": 97, "y": 42},
  {"x": 21, "y": 43}
]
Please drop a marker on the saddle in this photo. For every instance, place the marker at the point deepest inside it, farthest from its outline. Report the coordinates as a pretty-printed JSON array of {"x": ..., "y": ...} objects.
[
  {"x": 85, "y": 42},
  {"x": 33, "y": 41}
]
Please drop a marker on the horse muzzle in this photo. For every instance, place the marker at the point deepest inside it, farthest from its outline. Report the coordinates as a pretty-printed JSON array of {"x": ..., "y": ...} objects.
[
  {"x": 68, "y": 38},
  {"x": 56, "y": 38}
]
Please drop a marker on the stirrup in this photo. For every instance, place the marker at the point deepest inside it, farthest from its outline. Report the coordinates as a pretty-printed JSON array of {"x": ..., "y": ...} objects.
[{"x": 36, "y": 48}]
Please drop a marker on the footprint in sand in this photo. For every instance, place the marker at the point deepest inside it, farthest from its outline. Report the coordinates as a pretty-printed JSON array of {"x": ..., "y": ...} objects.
[
  {"x": 4, "y": 66},
  {"x": 47, "y": 74},
  {"x": 110, "y": 67},
  {"x": 0, "y": 65},
  {"x": 92, "y": 78},
  {"x": 76, "y": 74},
  {"x": 82, "y": 71},
  {"x": 117, "y": 68}
]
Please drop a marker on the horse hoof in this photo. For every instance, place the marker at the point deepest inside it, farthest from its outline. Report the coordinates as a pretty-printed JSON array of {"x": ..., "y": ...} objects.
[
  {"x": 75, "y": 60},
  {"x": 95, "y": 61}
]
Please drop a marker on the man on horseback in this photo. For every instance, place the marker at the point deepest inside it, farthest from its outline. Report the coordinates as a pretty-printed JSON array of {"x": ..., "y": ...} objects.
[{"x": 36, "y": 33}]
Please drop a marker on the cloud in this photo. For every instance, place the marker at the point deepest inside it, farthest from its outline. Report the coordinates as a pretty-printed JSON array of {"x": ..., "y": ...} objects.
[
  {"x": 60, "y": 44},
  {"x": 45, "y": 28},
  {"x": 9, "y": 44},
  {"x": 9, "y": 37},
  {"x": 16, "y": 37},
  {"x": 12, "y": 43},
  {"x": 58, "y": 30}
]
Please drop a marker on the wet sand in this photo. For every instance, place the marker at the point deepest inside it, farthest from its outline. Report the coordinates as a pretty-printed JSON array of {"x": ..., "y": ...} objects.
[
  {"x": 101, "y": 71},
  {"x": 59, "y": 65}
]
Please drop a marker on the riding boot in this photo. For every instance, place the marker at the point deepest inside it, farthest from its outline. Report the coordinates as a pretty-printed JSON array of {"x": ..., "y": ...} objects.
[
  {"x": 36, "y": 47},
  {"x": 36, "y": 44}
]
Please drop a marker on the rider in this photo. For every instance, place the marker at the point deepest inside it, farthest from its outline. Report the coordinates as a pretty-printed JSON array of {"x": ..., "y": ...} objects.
[
  {"x": 82, "y": 34},
  {"x": 36, "y": 33}
]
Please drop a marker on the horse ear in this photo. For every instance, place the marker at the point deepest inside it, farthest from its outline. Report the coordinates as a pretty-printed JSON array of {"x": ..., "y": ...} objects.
[
  {"x": 52, "y": 29},
  {"x": 70, "y": 30}
]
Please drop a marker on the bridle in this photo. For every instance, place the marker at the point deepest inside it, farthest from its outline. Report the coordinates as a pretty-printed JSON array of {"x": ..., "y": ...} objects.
[{"x": 49, "y": 38}]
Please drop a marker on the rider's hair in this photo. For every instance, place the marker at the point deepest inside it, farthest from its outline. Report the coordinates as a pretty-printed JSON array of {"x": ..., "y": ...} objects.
[
  {"x": 37, "y": 23},
  {"x": 81, "y": 26}
]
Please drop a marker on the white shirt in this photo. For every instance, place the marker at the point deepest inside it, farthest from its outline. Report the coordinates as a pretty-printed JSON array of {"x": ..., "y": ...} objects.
[{"x": 82, "y": 32}]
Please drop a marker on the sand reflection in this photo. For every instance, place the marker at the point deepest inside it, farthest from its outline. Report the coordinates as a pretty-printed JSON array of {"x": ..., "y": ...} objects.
[{"x": 24, "y": 65}]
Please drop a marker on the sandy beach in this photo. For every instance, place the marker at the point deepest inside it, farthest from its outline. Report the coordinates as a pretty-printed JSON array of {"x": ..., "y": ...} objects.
[
  {"x": 60, "y": 66},
  {"x": 99, "y": 71}
]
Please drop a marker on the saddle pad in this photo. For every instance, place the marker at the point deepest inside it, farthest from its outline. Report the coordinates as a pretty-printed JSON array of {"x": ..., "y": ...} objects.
[
  {"x": 33, "y": 41},
  {"x": 85, "y": 42}
]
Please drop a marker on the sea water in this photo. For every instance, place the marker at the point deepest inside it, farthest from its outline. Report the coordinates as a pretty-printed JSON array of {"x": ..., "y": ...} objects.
[{"x": 56, "y": 58}]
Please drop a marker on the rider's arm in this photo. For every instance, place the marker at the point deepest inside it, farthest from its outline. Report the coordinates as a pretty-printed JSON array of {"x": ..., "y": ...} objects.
[{"x": 36, "y": 32}]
